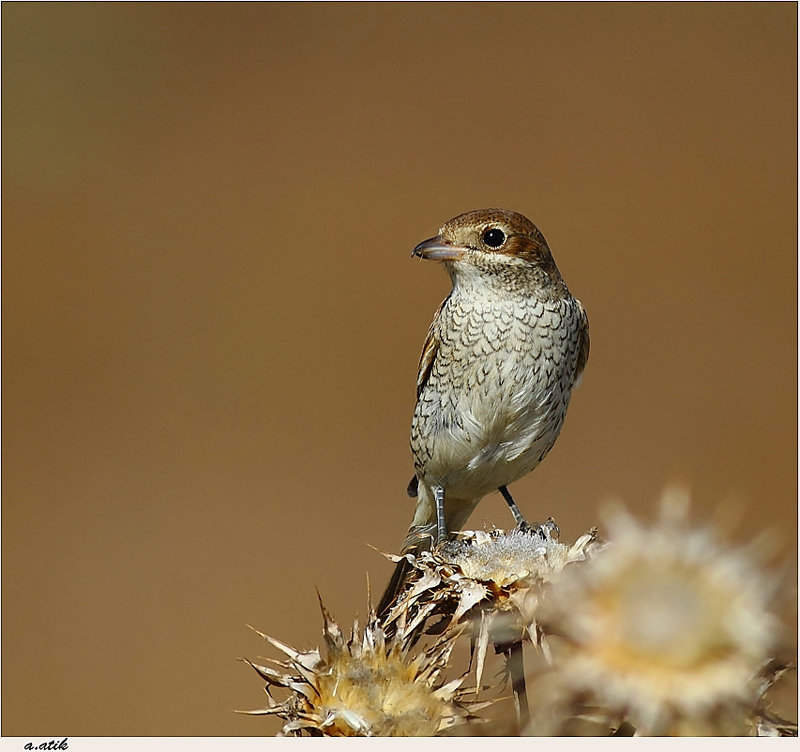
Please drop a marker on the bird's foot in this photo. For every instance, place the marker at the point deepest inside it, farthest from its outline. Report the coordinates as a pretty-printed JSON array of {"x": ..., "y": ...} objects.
[
  {"x": 547, "y": 530},
  {"x": 443, "y": 543}
]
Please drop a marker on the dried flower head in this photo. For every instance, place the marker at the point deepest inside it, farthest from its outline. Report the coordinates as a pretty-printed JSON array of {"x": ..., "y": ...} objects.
[
  {"x": 367, "y": 685},
  {"x": 665, "y": 627},
  {"x": 488, "y": 579}
]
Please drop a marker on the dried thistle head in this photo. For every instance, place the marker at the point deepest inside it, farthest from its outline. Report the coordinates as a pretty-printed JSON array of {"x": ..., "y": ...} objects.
[
  {"x": 493, "y": 581},
  {"x": 665, "y": 628},
  {"x": 508, "y": 561},
  {"x": 497, "y": 568},
  {"x": 365, "y": 685}
]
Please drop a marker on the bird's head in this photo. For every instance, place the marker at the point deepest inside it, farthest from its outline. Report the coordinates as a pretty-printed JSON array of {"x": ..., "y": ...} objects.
[{"x": 492, "y": 243}]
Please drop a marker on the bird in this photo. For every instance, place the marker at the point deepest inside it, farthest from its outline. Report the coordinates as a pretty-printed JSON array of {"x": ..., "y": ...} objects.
[{"x": 503, "y": 353}]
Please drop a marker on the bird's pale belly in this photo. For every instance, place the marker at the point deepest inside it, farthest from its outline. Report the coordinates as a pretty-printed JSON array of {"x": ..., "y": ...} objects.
[{"x": 505, "y": 420}]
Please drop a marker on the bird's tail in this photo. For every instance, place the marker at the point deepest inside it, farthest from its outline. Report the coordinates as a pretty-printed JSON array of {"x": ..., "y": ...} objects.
[
  {"x": 422, "y": 537},
  {"x": 396, "y": 585}
]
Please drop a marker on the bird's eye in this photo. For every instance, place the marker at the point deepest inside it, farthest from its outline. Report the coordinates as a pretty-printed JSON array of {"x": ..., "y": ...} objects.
[{"x": 494, "y": 238}]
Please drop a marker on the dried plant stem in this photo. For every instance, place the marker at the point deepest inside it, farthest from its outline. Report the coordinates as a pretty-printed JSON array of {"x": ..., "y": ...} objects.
[{"x": 516, "y": 670}]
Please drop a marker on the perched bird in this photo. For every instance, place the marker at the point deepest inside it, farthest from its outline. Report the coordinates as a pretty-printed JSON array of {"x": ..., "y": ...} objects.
[{"x": 502, "y": 355}]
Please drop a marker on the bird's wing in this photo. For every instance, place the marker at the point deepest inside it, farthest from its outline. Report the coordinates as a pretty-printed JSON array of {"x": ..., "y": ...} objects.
[
  {"x": 583, "y": 343},
  {"x": 429, "y": 350}
]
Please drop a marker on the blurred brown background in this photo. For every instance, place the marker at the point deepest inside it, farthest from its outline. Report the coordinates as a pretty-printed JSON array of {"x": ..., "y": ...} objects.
[{"x": 212, "y": 320}]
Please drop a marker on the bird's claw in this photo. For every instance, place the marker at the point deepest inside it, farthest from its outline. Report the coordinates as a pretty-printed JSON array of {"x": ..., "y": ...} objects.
[{"x": 547, "y": 530}]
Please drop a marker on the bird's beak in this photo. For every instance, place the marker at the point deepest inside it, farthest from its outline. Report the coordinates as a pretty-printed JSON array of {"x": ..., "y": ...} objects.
[{"x": 438, "y": 249}]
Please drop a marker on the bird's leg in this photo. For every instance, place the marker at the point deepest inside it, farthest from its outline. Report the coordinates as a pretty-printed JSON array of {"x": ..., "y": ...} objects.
[
  {"x": 518, "y": 518},
  {"x": 441, "y": 528}
]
